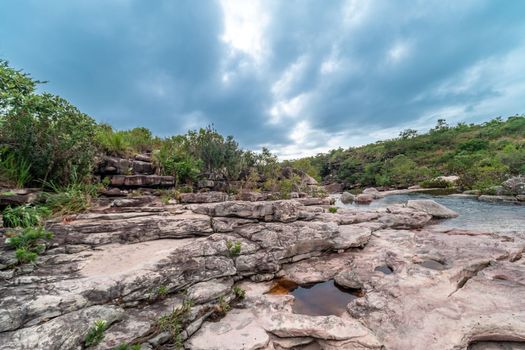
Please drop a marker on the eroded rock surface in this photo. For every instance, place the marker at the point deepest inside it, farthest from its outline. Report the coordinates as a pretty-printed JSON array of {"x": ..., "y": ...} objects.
[{"x": 132, "y": 263}]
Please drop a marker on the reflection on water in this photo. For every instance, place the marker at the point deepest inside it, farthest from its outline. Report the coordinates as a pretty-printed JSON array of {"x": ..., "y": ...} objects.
[
  {"x": 322, "y": 299},
  {"x": 473, "y": 214}
]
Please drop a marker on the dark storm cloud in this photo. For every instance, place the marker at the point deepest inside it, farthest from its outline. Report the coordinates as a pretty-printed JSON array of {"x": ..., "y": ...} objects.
[{"x": 327, "y": 73}]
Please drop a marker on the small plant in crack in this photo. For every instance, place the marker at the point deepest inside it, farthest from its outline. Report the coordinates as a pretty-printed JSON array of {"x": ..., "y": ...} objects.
[
  {"x": 174, "y": 321},
  {"x": 239, "y": 292},
  {"x": 95, "y": 334},
  {"x": 234, "y": 248},
  {"x": 128, "y": 347},
  {"x": 332, "y": 210},
  {"x": 224, "y": 306},
  {"x": 161, "y": 291}
]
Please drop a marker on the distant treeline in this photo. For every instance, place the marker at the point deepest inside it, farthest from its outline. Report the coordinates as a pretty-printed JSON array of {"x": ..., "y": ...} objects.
[{"x": 482, "y": 155}]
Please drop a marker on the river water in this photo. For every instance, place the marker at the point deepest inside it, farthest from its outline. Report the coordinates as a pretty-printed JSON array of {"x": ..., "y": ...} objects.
[{"x": 473, "y": 214}]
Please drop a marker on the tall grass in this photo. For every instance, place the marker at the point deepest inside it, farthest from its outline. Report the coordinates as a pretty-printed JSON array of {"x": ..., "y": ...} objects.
[
  {"x": 25, "y": 215},
  {"x": 70, "y": 199},
  {"x": 15, "y": 170}
]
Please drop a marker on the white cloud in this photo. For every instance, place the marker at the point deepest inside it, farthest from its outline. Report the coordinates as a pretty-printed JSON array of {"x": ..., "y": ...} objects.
[{"x": 244, "y": 26}]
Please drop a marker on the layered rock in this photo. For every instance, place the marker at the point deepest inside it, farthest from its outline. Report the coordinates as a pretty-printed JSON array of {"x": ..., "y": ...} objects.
[{"x": 133, "y": 261}]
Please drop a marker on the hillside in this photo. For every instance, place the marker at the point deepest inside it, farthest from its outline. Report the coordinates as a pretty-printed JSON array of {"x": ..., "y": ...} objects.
[{"x": 481, "y": 154}]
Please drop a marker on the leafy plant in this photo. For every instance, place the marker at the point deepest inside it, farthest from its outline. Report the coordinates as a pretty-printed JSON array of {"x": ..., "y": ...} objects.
[
  {"x": 234, "y": 248},
  {"x": 162, "y": 291},
  {"x": 239, "y": 292},
  {"x": 29, "y": 243},
  {"x": 224, "y": 306},
  {"x": 332, "y": 210},
  {"x": 173, "y": 322},
  {"x": 25, "y": 215},
  {"x": 95, "y": 334}
]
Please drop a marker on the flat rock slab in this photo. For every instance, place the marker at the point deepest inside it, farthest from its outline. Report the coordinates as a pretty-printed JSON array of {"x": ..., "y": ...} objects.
[
  {"x": 239, "y": 329},
  {"x": 431, "y": 207}
]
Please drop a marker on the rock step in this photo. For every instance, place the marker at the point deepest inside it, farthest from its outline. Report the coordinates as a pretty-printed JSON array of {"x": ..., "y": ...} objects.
[{"x": 141, "y": 181}]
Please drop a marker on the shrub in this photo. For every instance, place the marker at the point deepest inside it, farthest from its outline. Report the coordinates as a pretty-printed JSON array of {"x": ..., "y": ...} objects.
[
  {"x": 435, "y": 183},
  {"x": 25, "y": 215},
  {"x": 29, "y": 243},
  {"x": 95, "y": 334},
  {"x": 15, "y": 170}
]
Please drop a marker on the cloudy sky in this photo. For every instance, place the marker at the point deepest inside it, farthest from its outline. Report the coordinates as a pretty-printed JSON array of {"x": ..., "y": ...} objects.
[{"x": 299, "y": 77}]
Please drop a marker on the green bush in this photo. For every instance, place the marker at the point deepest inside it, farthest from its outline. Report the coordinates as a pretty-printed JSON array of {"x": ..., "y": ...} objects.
[
  {"x": 29, "y": 243},
  {"x": 435, "y": 183},
  {"x": 25, "y": 215},
  {"x": 332, "y": 210},
  {"x": 234, "y": 248}
]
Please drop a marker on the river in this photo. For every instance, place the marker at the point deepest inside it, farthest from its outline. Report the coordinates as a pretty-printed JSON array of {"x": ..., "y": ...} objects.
[{"x": 473, "y": 214}]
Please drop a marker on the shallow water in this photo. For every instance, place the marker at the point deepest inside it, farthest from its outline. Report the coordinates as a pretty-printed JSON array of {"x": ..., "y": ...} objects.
[
  {"x": 322, "y": 299},
  {"x": 473, "y": 214}
]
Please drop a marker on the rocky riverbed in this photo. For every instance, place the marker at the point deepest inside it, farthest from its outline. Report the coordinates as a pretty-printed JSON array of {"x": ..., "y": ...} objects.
[{"x": 199, "y": 276}]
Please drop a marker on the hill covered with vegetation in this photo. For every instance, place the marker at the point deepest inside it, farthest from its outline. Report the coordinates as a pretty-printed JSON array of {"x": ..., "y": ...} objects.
[{"x": 482, "y": 155}]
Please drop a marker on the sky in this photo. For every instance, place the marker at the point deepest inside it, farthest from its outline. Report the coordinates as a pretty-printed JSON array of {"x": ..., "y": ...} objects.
[{"x": 298, "y": 77}]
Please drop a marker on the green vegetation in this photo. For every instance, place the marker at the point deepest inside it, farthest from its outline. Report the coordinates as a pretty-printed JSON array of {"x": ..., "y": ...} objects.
[
  {"x": 173, "y": 322},
  {"x": 25, "y": 215},
  {"x": 128, "y": 347},
  {"x": 332, "y": 210},
  {"x": 481, "y": 155},
  {"x": 239, "y": 292},
  {"x": 234, "y": 248},
  {"x": 95, "y": 334},
  {"x": 29, "y": 242},
  {"x": 45, "y": 140}
]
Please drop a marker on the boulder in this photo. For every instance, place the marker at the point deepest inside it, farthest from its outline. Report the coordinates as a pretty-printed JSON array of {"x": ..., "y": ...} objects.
[
  {"x": 203, "y": 197},
  {"x": 334, "y": 188},
  {"x": 347, "y": 197},
  {"x": 252, "y": 196},
  {"x": 515, "y": 185},
  {"x": 429, "y": 206},
  {"x": 452, "y": 179},
  {"x": 364, "y": 198},
  {"x": 348, "y": 279},
  {"x": 490, "y": 198},
  {"x": 205, "y": 183},
  {"x": 373, "y": 192}
]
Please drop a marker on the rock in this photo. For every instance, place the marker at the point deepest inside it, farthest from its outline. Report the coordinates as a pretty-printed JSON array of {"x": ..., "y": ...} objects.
[
  {"x": 142, "y": 181},
  {"x": 472, "y": 192},
  {"x": 373, "y": 192},
  {"x": 431, "y": 207},
  {"x": 114, "y": 192},
  {"x": 209, "y": 290},
  {"x": 488, "y": 198},
  {"x": 238, "y": 330},
  {"x": 206, "y": 183},
  {"x": 321, "y": 327},
  {"x": 407, "y": 218},
  {"x": 203, "y": 197},
  {"x": 415, "y": 187},
  {"x": 316, "y": 201},
  {"x": 334, "y": 188},
  {"x": 133, "y": 201},
  {"x": 515, "y": 185},
  {"x": 15, "y": 197},
  {"x": 520, "y": 197},
  {"x": 63, "y": 332},
  {"x": 252, "y": 196},
  {"x": 347, "y": 197},
  {"x": 364, "y": 198},
  {"x": 307, "y": 180},
  {"x": 143, "y": 157},
  {"x": 352, "y": 236},
  {"x": 348, "y": 279},
  {"x": 452, "y": 179}
]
